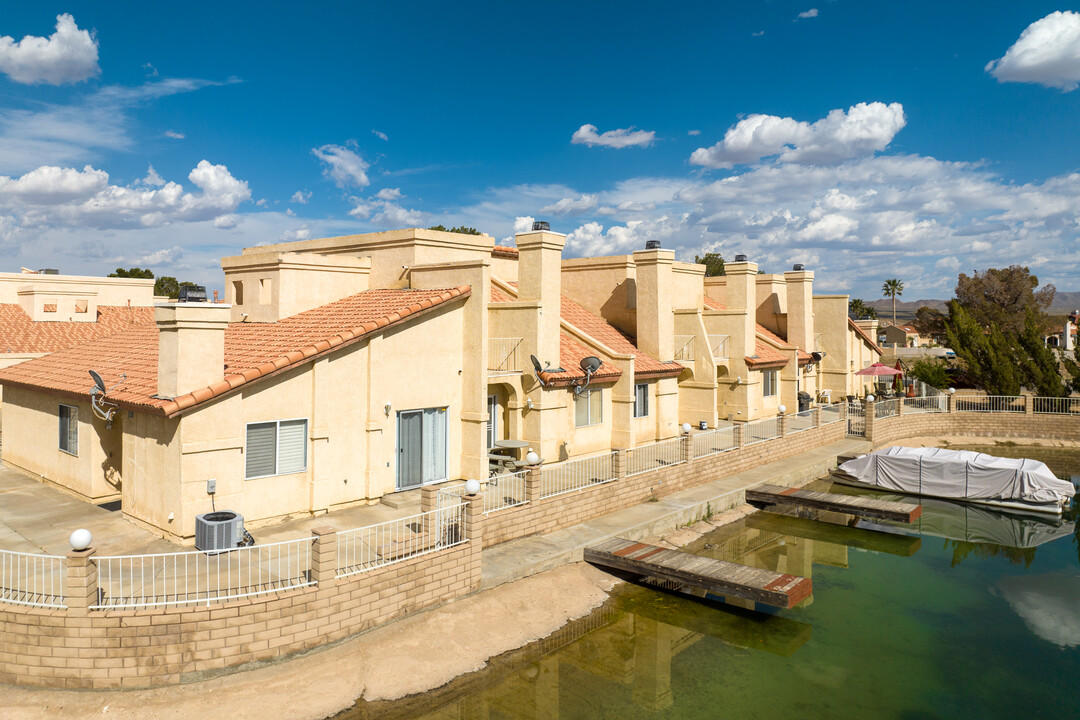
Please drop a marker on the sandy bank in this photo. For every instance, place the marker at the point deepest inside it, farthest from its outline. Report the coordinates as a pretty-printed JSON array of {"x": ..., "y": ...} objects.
[{"x": 944, "y": 441}]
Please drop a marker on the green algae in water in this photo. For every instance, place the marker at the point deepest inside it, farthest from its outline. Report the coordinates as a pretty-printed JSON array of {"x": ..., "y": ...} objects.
[{"x": 898, "y": 627}]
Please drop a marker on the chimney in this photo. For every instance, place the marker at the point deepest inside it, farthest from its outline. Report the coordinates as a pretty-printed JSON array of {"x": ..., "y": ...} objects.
[
  {"x": 800, "y": 308},
  {"x": 655, "y": 291},
  {"x": 191, "y": 345},
  {"x": 742, "y": 295},
  {"x": 539, "y": 280}
]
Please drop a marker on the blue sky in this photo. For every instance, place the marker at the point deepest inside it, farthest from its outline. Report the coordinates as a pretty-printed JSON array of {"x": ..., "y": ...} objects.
[{"x": 866, "y": 140}]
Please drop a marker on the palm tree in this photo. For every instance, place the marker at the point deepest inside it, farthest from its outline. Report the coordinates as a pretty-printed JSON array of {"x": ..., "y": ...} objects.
[{"x": 891, "y": 288}]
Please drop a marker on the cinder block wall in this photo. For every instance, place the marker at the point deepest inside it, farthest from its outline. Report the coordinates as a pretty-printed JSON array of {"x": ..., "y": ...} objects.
[{"x": 984, "y": 425}]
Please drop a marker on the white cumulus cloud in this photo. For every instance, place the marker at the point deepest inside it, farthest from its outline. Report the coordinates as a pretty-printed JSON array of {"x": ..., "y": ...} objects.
[
  {"x": 301, "y": 196},
  {"x": 811, "y": 13},
  {"x": 69, "y": 55},
  {"x": 621, "y": 138},
  {"x": 572, "y": 206},
  {"x": 174, "y": 135},
  {"x": 862, "y": 130},
  {"x": 389, "y": 194},
  {"x": 1047, "y": 53},
  {"x": 342, "y": 165}
]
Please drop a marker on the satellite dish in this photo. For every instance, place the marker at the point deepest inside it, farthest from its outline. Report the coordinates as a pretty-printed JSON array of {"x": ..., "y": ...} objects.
[
  {"x": 99, "y": 384},
  {"x": 817, "y": 356},
  {"x": 590, "y": 364},
  {"x": 538, "y": 369}
]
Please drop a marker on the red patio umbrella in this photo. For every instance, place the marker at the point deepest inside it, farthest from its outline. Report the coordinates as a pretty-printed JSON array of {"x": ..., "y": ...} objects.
[{"x": 879, "y": 369}]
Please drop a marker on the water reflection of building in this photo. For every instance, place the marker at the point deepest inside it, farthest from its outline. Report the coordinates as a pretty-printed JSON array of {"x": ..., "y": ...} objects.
[{"x": 623, "y": 653}]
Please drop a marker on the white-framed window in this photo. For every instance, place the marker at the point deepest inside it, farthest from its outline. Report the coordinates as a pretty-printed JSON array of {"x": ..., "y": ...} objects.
[
  {"x": 588, "y": 408},
  {"x": 768, "y": 384},
  {"x": 69, "y": 429},
  {"x": 278, "y": 447},
  {"x": 641, "y": 400}
]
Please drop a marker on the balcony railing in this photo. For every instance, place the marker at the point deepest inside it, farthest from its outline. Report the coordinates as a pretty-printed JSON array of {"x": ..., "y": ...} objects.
[
  {"x": 684, "y": 347},
  {"x": 505, "y": 355},
  {"x": 718, "y": 345}
]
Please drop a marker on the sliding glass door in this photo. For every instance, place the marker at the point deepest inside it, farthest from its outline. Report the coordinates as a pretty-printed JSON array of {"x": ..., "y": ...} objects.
[{"x": 421, "y": 447}]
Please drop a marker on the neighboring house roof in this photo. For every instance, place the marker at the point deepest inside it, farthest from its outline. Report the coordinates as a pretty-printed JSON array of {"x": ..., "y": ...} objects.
[
  {"x": 711, "y": 304},
  {"x": 866, "y": 338},
  {"x": 505, "y": 252},
  {"x": 571, "y": 351},
  {"x": 252, "y": 350},
  {"x": 21, "y": 334}
]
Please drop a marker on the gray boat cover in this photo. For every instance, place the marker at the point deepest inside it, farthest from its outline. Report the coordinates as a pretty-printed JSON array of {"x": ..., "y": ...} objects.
[{"x": 960, "y": 474}]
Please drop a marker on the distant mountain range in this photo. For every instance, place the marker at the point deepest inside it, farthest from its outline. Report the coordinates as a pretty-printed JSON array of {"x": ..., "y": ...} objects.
[{"x": 1064, "y": 302}]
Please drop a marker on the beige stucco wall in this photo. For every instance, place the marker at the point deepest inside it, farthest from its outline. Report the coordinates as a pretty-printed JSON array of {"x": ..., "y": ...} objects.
[
  {"x": 105, "y": 291},
  {"x": 269, "y": 286},
  {"x": 31, "y": 423}
]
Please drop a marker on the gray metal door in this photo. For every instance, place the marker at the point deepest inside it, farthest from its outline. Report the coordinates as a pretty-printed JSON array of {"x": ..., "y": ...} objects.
[{"x": 410, "y": 461}]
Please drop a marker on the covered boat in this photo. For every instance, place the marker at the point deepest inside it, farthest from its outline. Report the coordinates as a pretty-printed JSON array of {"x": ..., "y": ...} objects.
[{"x": 1014, "y": 484}]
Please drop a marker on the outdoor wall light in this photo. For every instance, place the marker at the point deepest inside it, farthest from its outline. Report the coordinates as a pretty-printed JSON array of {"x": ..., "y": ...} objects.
[
  {"x": 386, "y": 407},
  {"x": 869, "y": 398},
  {"x": 952, "y": 391},
  {"x": 528, "y": 403},
  {"x": 781, "y": 409},
  {"x": 472, "y": 486},
  {"x": 80, "y": 539},
  {"x": 686, "y": 428}
]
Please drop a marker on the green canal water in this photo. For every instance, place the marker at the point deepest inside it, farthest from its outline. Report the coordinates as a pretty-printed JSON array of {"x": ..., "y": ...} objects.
[{"x": 905, "y": 626}]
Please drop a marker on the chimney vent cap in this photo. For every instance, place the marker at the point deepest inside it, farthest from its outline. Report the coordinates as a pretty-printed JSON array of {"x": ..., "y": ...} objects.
[
  {"x": 740, "y": 258},
  {"x": 192, "y": 293},
  {"x": 541, "y": 225},
  {"x": 798, "y": 267},
  {"x": 652, "y": 245}
]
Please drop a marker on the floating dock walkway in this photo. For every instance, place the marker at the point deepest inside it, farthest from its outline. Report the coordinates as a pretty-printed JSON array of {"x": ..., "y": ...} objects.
[
  {"x": 715, "y": 576},
  {"x": 852, "y": 505}
]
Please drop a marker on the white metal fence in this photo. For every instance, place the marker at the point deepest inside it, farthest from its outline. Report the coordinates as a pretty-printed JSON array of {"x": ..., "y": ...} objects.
[
  {"x": 654, "y": 455},
  {"x": 800, "y": 421},
  {"x": 503, "y": 354},
  {"x": 886, "y": 408},
  {"x": 935, "y": 403},
  {"x": 31, "y": 579},
  {"x": 498, "y": 492},
  {"x": 1056, "y": 405},
  {"x": 989, "y": 403},
  {"x": 197, "y": 577},
  {"x": 760, "y": 430},
  {"x": 374, "y": 546},
  {"x": 830, "y": 414},
  {"x": 570, "y": 475},
  {"x": 856, "y": 419},
  {"x": 715, "y": 441}
]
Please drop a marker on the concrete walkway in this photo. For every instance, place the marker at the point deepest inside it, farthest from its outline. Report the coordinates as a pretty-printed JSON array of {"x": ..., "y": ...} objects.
[{"x": 528, "y": 556}]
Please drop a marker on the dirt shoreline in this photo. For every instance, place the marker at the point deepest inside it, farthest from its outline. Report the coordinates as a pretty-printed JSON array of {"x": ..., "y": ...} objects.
[{"x": 944, "y": 441}]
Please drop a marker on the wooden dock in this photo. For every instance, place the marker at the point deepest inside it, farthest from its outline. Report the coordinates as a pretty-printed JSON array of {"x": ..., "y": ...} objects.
[
  {"x": 715, "y": 576},
  {"x": 815, "y": 500},
  {"x": 853, "y": 537}
]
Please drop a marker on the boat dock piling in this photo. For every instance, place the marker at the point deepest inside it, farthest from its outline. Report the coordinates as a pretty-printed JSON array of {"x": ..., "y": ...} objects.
[
  {"x": 714, "y": 576},
  {"x": 816, "y": 500}
]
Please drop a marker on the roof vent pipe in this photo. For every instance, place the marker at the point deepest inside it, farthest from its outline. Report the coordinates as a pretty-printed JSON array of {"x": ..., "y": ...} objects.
[
  {"x": 541, "y": 225},
  {"x": 798, "y": 267},
  {"x": 652, "y": 244},
  {"x": 740, "y": 258}
]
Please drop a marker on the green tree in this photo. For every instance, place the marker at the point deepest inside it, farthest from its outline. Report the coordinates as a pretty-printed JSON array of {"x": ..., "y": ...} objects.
[
  {"x": 986, "y": 358},
  {"x": 1002, "y": 296},
  {"x": 860, "y": 309},
  {"x": 932, "y": 372},
  {"x": 891, "y": 288},
  {"x": 461, "y": 229},
  {"x": 134, "y": 272},
  {"x": 714, "y": 264},
  {"x": 167, "y": 286},
  {"x": 1039, "y": 367},
  {"x": 930, "y": 322}
]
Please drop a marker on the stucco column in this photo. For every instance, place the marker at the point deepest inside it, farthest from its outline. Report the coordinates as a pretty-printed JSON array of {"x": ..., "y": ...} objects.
[
  {"x": 533, "y": 477},
  {"x": 80, "y": 581},
  {"x": 870, "y": 422},
  {"x": 324, "y": 555},
  {"x": 618, "y": 463}
]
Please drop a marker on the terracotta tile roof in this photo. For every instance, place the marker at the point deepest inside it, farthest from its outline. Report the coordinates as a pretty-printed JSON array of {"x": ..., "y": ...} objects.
[
  {"x": 597, "y": 327},
  {"x": 711, "y": 304},
  {"x": 498, "y": 295},
  {"x": 504, "y": 251},
  {"x": 765, "y": 356},
  {"x": 866, "y": 338},
  {"x": 571, "y": 353},
  {"x": 252, "y": 350},
  {"x": 20, "y": 334}
]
